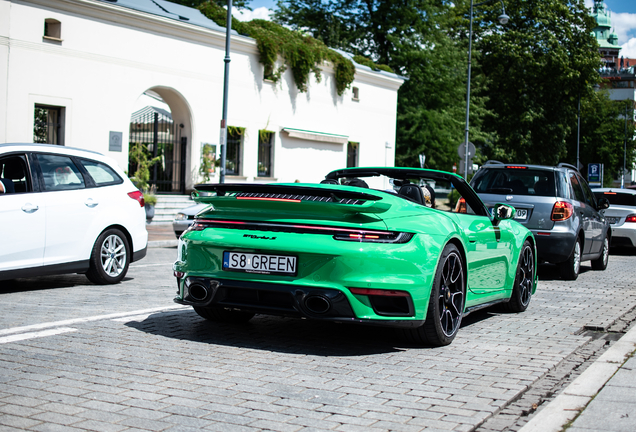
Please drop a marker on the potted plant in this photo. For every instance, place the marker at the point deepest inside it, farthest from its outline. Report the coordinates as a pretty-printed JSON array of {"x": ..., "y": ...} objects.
[{"x": 138, "y": 156}]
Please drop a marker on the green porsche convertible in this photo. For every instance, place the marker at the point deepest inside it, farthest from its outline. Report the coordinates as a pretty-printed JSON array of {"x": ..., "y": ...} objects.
[{"x": 408, "y": 248}]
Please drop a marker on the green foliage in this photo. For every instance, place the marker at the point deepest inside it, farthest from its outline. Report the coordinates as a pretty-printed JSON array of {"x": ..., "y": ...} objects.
[
  {"x": 536, "y": 67},
  {"x": 604, "y": 133},
  {"x": 150, "y": 198},
  {"x": 238, "y": 4},
  {"x": 138, "y": 155},
  {"x": 369, "y": 63},
  {"x": 303, "y": 54},
  {"x": 208, "y": 162},
  {"x": 412, "y": 37}
]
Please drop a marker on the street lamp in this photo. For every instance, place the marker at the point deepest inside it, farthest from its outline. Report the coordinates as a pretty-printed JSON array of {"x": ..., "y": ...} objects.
[
  {"x": 226, "y": 84},
  {"x": 503, "y": 20},
  {"x": 624, "y": 150}
]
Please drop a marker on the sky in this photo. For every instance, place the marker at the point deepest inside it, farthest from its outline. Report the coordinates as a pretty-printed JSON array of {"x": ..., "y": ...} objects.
[{"x": 623, "y": 20}]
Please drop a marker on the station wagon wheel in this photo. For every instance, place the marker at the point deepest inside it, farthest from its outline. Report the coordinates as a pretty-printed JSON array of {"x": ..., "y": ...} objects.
[
  {"x": 524, "y": 280},
  {"x": 446, "y": 304},
  {"x": 110, "y": 258},
  {"x": 601, "y": 262},
  {"x": 571, "y": 268}
]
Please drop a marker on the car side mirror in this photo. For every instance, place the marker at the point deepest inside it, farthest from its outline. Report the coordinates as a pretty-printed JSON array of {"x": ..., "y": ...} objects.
[
  {"x": 503, "y": 212},
  {"x": 603, "y": 203}
]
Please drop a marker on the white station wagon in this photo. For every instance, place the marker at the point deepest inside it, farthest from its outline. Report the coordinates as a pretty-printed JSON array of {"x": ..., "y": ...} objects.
[{"x": 66, "y": 210}]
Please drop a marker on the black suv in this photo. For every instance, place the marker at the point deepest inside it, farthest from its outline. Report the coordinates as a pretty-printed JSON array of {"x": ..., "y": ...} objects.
[{"x": 557, "y": 205}]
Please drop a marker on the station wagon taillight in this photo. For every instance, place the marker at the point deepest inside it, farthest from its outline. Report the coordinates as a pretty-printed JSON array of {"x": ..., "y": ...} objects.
[
  {"x": 561, "y": 211},
  {"x": 137, "y": 196}
]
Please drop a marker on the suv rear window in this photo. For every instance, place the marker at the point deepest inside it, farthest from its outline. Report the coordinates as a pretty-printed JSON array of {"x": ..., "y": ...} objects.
[
  {"x": 518, "y": 181},
  {"x": 618, "y": 198}
]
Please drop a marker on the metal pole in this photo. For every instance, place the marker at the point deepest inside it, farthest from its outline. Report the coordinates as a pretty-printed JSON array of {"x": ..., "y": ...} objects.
[
  {"x": 155, "y": 145},
  {"x": 578, "y": 135},
  {"x": 624, "y": 151},
  {"x": 470, "y": 48},
  {"x": 503, "y": 19},
  {"x": 226, "y": 77}
]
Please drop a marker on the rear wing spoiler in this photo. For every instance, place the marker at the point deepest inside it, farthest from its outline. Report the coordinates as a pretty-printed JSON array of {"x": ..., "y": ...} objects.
[{"x": 273, "y": 196}]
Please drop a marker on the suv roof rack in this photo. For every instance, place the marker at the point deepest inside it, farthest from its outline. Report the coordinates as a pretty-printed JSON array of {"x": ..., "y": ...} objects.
[
  {"x": 493, "y": 162},
  {"x": 567, "y": 165}
]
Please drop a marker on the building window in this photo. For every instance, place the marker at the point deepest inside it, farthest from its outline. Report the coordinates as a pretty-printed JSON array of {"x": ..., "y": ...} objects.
[
  {"x": 352, "y": 154},
  {"x": 356, "y": 94},
  {"x": 48, "y": 125},
  {"x": 265, "y": 139},
  {"x": 234, "y": 150},
  {"x": 52, "y": 30}
]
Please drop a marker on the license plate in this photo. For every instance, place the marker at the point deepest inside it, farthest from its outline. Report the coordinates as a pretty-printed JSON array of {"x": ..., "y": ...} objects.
[
  {"x": 611, "y": 220},
  {"x": 521, "y": 214},
  {"x": 260, "y": 263}
]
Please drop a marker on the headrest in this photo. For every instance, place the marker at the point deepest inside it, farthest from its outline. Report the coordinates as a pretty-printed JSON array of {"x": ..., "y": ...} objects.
[
  {"x": 14, "y": 168},
  {"x": 413, "y": 193}
]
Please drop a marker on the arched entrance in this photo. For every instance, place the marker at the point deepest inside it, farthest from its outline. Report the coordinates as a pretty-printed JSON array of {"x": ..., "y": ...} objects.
[{"x": 161, "y": 126}]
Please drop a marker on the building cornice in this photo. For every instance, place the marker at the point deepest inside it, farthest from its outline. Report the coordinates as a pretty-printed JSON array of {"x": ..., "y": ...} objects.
[{"x": 120, "y": 15}]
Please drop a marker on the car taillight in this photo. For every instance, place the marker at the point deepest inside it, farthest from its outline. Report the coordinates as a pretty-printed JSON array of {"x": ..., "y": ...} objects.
[
  {"x": 379, "y": 292},
  {"x": 631, "y": 218},
  {"x": 460, "y": 207},
  {"x": 138, "y": 196},
  {"x": 375, "y": 237},
  {"x": 561, "y": 211}
]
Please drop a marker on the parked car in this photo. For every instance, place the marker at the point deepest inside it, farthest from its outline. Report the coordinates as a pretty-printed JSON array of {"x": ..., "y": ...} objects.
[
  {"x": 340, "y": 252},
  {"x": 557, "y": 205},
  {"x": 621, "y": 215},
  {"x": 185, "y": 218},
  {"x": 71, "y": 211}
]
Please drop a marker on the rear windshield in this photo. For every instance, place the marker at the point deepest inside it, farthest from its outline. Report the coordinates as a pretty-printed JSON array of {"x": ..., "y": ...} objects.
[
  {"x": 517, "y": 181},
  {"x": 618, "y": 198}
]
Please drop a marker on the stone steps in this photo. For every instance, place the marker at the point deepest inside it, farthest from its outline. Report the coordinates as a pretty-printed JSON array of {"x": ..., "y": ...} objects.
[{"x": 169, "y": 205}]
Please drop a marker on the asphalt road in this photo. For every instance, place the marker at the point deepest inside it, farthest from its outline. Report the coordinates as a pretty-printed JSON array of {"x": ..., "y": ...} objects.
[{"x": 76, "y": 356}]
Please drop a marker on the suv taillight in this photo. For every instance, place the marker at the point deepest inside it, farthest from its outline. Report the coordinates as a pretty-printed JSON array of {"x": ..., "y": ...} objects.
[
  {"x": 561, "y": 211},
  {"x": 631, "y": 218},
  {"x": 138, "y": 196}
]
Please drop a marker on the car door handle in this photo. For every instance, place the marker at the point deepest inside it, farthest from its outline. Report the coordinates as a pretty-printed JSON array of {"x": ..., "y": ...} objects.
[
  {"x": 30, "y": 208},
  {"x": 91, "y": 203}
]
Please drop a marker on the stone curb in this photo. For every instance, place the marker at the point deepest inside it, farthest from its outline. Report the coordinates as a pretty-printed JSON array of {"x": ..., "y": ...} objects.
[
  {"x": 566, "y": 406},
  {"x": 163, "y": 243}
]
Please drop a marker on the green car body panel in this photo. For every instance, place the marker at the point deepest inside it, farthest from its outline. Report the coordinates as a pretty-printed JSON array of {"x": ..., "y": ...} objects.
[{"x": 270, "y": 220}]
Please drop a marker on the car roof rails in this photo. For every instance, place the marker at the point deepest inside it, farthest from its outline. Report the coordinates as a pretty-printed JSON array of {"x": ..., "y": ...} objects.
[
  {"x": 493, "y": 162},
  {"x": 567, "y": 165}
]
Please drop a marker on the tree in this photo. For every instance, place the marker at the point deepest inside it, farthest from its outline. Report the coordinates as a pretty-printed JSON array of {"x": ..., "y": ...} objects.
[
  {"x": 412, "y": 38},
  {"x": 536, "y": 70},
  {"x": 603, "y": 135}
]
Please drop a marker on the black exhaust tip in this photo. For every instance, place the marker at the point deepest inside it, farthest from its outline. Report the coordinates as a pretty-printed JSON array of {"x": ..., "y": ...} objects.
[
  {"x": 198, "y": 291},
  {"x": 317, "y": 304}
]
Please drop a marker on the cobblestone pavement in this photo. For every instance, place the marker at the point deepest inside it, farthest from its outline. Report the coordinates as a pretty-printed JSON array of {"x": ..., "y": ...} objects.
[{"x": 75, "y": 356}]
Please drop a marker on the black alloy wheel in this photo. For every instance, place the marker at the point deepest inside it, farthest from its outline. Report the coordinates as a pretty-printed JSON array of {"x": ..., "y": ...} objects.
[
  {"x": 524, "y": 280},
  {"x": 446, "y": 304},
  {"x": 571, "y": 268},
  {"x": 601, "y": 262}
]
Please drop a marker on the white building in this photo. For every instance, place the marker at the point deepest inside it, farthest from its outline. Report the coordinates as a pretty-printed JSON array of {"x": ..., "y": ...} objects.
[{"x": 72, "y": 72}]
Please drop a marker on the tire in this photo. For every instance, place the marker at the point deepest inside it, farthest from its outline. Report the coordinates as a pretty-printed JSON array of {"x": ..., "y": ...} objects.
[
  {"x": 601, "y": 262},
  {"x": 218, "y": 314},
  {"x": 446, "y": 304},
  {"x": 522, "y": 289},
  {"x": 571, "y": 268},
  {"x": 110, "y": 258}
]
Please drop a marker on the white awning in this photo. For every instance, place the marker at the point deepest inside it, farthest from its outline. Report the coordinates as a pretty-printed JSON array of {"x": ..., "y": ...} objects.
[{"x": 316, "y": 136}]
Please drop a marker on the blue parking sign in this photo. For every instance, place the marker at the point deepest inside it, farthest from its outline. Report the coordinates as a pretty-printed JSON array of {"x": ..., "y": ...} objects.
[{"x": 595, "y": 174}]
